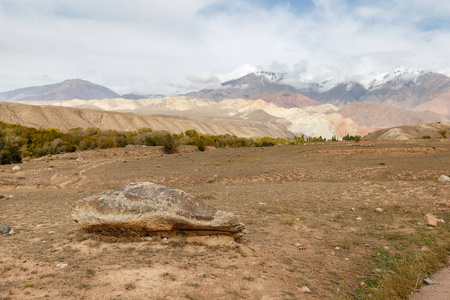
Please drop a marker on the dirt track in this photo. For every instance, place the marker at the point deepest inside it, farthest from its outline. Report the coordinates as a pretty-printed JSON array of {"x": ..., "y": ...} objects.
[{"x": 298, "y": 202}]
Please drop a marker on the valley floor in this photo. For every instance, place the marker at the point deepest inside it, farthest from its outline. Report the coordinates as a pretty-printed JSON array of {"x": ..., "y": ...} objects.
[{"x": 309, "y": 211}]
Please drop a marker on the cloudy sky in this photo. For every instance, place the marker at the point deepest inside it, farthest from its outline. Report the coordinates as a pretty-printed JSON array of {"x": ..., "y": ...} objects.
[{"x": 173, "y": 46}]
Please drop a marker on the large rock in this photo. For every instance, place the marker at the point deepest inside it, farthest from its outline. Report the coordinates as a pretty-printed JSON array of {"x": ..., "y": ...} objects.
[{"x": 146, "y": 208}]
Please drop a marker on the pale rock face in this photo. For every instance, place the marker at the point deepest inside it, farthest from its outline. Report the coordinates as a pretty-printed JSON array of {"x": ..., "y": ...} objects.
[
  {"x": 150, "y": 208},
  {"x": 322, "y": 120}
]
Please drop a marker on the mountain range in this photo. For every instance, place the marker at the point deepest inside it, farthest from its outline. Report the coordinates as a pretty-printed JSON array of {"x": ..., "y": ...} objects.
[
  {"x": 405, "y": 96},
  {"x": 403, "y": 88}
]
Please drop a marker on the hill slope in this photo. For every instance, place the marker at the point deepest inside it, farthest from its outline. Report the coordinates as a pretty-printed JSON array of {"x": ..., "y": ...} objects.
[
  {"x": 66, "y": 90},
  {"x": 408, "y": 132},
  {"x": 66, "y": 118},
  {"x": 376, "y": 115}
]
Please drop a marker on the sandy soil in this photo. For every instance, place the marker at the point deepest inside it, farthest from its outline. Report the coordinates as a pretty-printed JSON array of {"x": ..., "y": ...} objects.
[
  {"x": 300, "y": 205},
  {"x": 440, "y": 290}
]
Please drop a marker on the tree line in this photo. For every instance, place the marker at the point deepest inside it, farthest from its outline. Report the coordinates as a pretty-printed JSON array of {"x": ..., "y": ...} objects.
[{"x": 18, "y": 142}]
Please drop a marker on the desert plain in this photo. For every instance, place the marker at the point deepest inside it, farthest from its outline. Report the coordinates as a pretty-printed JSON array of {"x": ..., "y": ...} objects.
[{"x": 335, "y": 217}]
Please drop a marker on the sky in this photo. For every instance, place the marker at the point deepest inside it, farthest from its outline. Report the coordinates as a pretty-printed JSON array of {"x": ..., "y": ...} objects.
[{"x": 175, "y": 46}]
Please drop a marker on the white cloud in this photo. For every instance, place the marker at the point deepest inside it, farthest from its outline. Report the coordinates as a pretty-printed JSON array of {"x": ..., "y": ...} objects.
[{"x": 175, "y": 46}]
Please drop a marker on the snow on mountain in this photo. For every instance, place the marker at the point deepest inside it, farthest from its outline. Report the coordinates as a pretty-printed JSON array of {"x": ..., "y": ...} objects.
[
  {"x": 271, "y": 76},
  {"x": 400, "y": 74}
]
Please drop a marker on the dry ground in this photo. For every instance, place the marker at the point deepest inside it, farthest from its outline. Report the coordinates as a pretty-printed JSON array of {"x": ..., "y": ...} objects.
[{"x": 310, "y": 195}]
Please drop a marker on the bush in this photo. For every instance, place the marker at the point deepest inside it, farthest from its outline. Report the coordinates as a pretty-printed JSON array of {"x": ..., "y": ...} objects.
[
  {"x": 169, "y": 143},
  {"x": 201, "y": 144},
  {"x": 9, "y": 151}
]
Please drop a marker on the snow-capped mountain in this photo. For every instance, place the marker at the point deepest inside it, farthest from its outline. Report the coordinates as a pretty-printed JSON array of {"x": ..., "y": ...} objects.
[
  {"x": 399, "y": 74},
  {"x": 263, "y": 85},
  {"x": 271, "y": 76}
]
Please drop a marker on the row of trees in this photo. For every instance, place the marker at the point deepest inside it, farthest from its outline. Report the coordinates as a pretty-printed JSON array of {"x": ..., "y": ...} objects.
[{"x": 17, "y": 142}]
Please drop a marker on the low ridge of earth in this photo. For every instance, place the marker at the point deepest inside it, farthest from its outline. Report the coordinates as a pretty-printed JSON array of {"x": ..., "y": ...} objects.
[{"x": 324, "y": 221}]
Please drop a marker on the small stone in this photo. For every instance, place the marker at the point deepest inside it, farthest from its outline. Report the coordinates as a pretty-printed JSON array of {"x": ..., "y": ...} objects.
[
  {"x": 333, "y": 253},
  {"x": 51, "y": 232},
  {"x": 11, "y": 196},
  {"x": 262, "y": 203},
  {"x": 418, "y": 223},
  {"x": 347, "y": 259},
  {"x": 428, "y": 281},
  {"x": 16, "y": 168},
  {"x": 148, "y": 238},
  {"x": 362, "y": 283},
  {"x": 62, "y": 266},
  {"x": 304, "y": 289},
  {"x": 318, "y": 237},
  {"x": 358, "y": 219},
  {"x": 164, "y": 239},
  {"x": 444, "y": 178},
  {"x": 12, "y": 231},
  {"x": 441, "y": 220},
  {"x": 5, "y": 229},
  {"x": 430, "y": 220},
  {"x": 386, "y": 248},
  {"x": 337, "y": 248},
  {"x": 378, "y": 209},
  {"x": 425, "y": 248}
]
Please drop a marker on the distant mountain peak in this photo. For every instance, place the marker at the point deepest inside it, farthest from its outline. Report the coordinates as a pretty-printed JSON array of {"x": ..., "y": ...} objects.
[
  {"x": 66, "y": 90},
  {"x": 261, "y": 77},
  {"x": 271, "y": 76},
  {"x": 400, "y": 73}
]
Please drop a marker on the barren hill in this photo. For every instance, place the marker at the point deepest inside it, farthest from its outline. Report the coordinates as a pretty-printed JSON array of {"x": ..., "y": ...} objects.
[
  {"x": 376, "y": 115},
  {"x": 408, "y": 132},
  {"x": 66, "y": 90},
  {"x": 65, "y": 118}
]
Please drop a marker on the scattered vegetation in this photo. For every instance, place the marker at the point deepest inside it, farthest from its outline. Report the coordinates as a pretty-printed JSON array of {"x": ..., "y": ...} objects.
[
  {"x": 18, "y": 142},
  {"x": 401, "y": 272},
  {"x": 349, "y": 137},
  {"x": 426, "y": 137},
  {"x": 443, "y": 133}
]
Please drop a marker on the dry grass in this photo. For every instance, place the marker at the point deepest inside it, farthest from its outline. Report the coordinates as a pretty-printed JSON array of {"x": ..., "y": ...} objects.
[{"x": 401, "y": 272}]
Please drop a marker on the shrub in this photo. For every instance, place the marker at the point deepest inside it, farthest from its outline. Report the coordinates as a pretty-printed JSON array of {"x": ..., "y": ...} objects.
[{"x": 169, "y": 143}]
